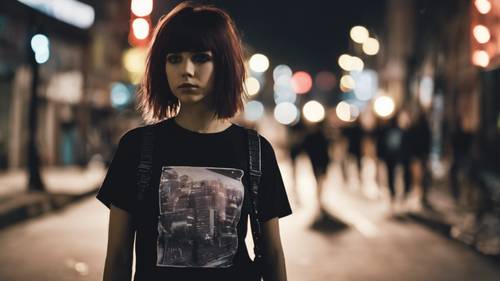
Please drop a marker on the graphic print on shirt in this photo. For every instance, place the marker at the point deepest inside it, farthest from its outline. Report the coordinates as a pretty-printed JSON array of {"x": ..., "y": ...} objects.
[{"x": 200, "y": 208}]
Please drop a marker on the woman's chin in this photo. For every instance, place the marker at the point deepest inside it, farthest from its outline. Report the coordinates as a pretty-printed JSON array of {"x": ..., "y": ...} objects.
[{"x": 191, "y": 99}]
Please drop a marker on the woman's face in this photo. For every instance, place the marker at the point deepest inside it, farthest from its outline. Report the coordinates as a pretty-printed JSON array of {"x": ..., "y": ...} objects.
[{"x": 190, "y": 75}]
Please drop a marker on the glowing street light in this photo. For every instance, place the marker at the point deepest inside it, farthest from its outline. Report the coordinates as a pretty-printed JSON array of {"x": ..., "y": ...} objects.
[
  {"x": 481, "y": 33},
  {"x": 282, "y": 70},
  {"x": 346, "y": 112},
  {"x": 286, "y": 113},
  {"x": 254, "y": 110},
  {"x": 252, "y": 86},
  {"x": 351, "y": 63},
  {"x": 347, "y": 83},
  {"x": 359, "y": 34},
  {"x": 301, "y": 82},
  {"x": 141, "y": 8},
  {"x": 481, "y": 58},
  {"x": 483, "y": 6},
  {"x": 140, "y": 28},
  {"x": 134, "y": 61},
  {"x": 357, "y": 64},
  {"x": 40, "y": 46},
  {"x": 259, "y": 63},
  {"x": 313, "y": 111},
  {"x": 384, "y": 106},
  {"x": 371, "y": 46},
  {"x": 345, "y": 62}
]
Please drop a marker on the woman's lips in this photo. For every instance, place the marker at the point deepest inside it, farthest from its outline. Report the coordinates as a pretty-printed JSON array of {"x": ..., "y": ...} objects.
[{"x": 187, "y": 86}]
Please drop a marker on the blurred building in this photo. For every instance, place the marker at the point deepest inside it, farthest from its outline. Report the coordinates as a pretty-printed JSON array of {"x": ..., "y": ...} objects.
[
  {"x": 431, "y": 66},
  {"x": 75, "y": 109}
]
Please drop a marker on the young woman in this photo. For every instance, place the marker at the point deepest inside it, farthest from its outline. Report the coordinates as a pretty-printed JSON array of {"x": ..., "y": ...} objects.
[{"x": 190, "y": 222}]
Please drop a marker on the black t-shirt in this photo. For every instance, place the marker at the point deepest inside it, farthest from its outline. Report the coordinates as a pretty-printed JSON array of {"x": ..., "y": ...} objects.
[{"x": 192, "y": 222}]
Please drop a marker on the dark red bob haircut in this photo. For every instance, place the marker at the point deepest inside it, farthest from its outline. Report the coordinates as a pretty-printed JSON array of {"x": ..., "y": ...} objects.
[{"x": 193, "y": 28}]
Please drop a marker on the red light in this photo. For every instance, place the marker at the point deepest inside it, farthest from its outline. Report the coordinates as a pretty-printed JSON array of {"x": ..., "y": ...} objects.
[
  {"x": 326, "y": 81},
  {"x": 140, "y": 32},
  {"x": 302, "y": 82}
]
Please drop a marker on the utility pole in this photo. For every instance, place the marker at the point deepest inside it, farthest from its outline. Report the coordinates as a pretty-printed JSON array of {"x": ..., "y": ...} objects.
[{"x": 35, "y": 182}]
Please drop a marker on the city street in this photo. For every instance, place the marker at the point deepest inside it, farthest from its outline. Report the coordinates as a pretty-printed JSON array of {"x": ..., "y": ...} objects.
[
  {"x": 70, "y": 244},
  {"x": 390, "y": 106}
]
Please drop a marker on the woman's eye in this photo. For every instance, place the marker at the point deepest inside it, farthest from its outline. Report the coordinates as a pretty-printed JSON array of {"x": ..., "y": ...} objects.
[
  {"x": 201, "y": 58},
  {"x": 174, "y": 59}
]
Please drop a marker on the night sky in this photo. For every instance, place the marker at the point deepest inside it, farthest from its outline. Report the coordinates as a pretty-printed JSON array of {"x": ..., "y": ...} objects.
[{"x": 307, "y": 35}]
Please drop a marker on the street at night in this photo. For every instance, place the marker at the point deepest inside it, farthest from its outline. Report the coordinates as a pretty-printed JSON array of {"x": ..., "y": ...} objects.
[
  {"x": 70, "y": 244},
  {"x": 358, "y": 139}
]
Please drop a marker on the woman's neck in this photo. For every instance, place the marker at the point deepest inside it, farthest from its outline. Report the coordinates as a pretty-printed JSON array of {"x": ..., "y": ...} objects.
[{"x": 198, "y": 119}]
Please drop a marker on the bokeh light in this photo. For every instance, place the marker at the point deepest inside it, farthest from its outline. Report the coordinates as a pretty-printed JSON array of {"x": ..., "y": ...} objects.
[
  {"x": 134, "y": 61},
  {"x": 40, "y": 46},
  {"x": 371, "y": 46},
  {"x": 345, "y": 62},
  {"x": 281, "y": 70},
  {"x": 426, "y": 91},
  {"x": 347, "y": 83},
  {"x": 120, "y": 95},
  {"x": 346, "y": 112},
  {"x": 252, "y": 86},
  {"x": 366, "y": 84},
  {"x": 284, "y": 96},
  {"x": 42, "y": 56},
  {"x": 254, "y": 110},
  {"x": 359, "y": 34},
  {"x": 141, "y": 8},
  {"x": 259, "y": 63},
  {"x": 326, "y": 81},
  {"x": 357, "y": 64},
  {"x": 481, "y": 58},
  {"x": 313, "y": 111},
  {"x": 481, "y": 33},
  {"x": 384, "y": 106},
  {"x": 301, "y": 82},
  {"x": 140, "y": 28},
  {"x": 483, "y": 6},
  {"x": 286, "y": 113},
  {"x": 39, "y": 43}
]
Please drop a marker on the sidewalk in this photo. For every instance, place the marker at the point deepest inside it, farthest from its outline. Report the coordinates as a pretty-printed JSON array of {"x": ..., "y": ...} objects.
[
  {"x": 63, "y": 185},
  {"x": 464, "y": 221}
]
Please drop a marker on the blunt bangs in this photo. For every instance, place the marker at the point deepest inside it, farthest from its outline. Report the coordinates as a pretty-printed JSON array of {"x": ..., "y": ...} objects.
[{"x": 191, "y": 31}]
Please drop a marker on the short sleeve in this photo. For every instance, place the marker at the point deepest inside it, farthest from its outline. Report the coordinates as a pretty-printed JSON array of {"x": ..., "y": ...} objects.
[
  {"x": 273, "y": 201},
  {"x": 119, "y": 185}
]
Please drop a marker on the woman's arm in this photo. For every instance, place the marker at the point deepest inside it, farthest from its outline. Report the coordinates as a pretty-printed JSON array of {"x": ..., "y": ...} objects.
[
  {"x": 118, "y": 265},
  {"x": 272, "y": 251}
]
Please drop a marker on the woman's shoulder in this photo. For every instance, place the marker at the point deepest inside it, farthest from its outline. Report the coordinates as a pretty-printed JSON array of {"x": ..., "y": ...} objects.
[
  {"x": 266, "y": 145},
  {"x": 135, "y": 135}
]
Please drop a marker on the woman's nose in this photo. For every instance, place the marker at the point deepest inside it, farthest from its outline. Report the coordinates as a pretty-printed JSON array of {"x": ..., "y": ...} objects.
[{"x": 188, "y": 68}]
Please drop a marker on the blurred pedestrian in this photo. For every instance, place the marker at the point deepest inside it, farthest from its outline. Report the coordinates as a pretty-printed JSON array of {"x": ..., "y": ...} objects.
[
  {"x": 389, "y": 141},
  {"x": 316, "y": 145},
  {"x": 296, "y": 135},
  {"x": 419, "y": 143},
  {"x": 183, "y": 186},
  {"x": 354, "y": 134},
  {"x": 461, "y": 165}
]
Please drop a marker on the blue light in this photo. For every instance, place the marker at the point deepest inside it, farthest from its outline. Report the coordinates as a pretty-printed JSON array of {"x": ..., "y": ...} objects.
[
  {"x": 120, "y": 95},
  {"x": 40, "y": 46},
  {"x": 42, "y": 57},
  {"x": 39, "y": 43}
]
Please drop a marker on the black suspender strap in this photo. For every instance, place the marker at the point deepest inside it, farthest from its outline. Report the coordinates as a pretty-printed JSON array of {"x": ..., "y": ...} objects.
[
  {"x": 255, "y": 174},
  {"x": 145, "y": 163}
]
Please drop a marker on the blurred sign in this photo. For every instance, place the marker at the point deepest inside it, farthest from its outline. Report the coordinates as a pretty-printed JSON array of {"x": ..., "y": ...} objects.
[
  {"x": 66, "y": 87},
  {"x": 69, "y": 11}
]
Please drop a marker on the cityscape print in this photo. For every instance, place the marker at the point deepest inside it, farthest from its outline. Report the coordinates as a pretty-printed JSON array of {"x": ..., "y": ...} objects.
[{"x": 200, "y": 208}]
